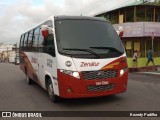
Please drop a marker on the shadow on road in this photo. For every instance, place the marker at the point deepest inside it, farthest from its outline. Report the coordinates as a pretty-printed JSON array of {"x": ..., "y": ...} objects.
[
  {"x": 89, "y": 101},
  {"x": 81, "y": 101}
]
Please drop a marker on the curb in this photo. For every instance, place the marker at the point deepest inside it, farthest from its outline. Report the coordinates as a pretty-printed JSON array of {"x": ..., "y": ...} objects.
[
  {"x": 150, "y": 74},
  {"x": 145, "y": 69}
]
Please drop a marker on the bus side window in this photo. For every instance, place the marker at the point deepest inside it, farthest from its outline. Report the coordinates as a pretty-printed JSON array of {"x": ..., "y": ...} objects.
[
  {"x": 49, "y": 41},
  {"x": 36, "y": 39},
  {"x": 30, "y": 37},
  {"x": 46, "y": 45},
  {"x": 49, "y": 45},
  {"x": 25, "y": 48},
  {"x": 40, "y": 43},
  {"x": 21, "y": 43}
]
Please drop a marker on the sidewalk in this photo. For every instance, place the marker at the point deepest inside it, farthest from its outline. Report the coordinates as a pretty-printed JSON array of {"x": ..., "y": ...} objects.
[{"x": 154, "y": 73}]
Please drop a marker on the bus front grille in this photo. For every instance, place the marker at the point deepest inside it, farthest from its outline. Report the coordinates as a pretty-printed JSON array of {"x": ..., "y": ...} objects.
[
  {"x": 94, "y": 75},
  {"x": 95, "y": 88}
]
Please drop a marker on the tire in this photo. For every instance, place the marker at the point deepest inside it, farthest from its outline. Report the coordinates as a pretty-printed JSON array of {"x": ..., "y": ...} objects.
[
  {"x": 29, "y": 81},
  {"x": 54, "y": 98}
]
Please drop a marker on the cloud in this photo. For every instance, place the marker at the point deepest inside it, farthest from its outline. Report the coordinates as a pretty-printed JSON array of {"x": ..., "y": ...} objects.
[{"x": 18, "y": 16}]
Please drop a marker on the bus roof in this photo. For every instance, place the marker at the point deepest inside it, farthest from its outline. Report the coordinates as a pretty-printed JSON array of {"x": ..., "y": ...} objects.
[
  {"x": 68, "y": 17},
  {"x": 81, "y": 18}
]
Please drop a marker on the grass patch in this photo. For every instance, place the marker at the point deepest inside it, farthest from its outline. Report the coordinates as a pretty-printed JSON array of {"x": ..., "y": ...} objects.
[{"x": 142, "y": 62}]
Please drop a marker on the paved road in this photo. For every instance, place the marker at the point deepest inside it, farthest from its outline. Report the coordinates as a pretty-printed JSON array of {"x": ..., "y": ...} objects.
[{"x": 15, "y": 95}]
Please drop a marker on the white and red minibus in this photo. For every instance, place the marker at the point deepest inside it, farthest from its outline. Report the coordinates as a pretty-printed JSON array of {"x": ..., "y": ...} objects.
[{"x": 74, "y": 57}]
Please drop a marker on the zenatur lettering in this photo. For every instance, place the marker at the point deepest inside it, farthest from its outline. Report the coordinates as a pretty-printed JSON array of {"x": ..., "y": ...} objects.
[{"x": 91, "y": 64}]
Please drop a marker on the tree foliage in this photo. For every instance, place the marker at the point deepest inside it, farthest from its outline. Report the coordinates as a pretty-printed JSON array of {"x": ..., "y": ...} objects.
[{"x": 157, "y": 2}]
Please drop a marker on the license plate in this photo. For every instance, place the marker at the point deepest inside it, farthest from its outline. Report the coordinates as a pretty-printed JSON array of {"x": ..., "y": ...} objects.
[{"x": 102, "y": 83}]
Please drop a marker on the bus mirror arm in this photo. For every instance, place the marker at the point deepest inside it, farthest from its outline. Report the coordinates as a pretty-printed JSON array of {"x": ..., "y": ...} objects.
[
  {"x": 45, "y": 27},
  {"x": 120, "y": 31}
]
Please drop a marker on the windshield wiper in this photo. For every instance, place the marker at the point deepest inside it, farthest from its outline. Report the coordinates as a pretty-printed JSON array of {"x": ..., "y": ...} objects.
[
  {"x": 86, "y": 50},
  {"x": 109, "y": 48}
]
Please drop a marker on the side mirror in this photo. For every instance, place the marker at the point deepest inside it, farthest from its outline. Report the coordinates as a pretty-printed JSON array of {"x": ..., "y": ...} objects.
[
  {"x": 121, "y": 34},
  {"x": 44, "y": 31},
  {"x": 120, "y": 31}
]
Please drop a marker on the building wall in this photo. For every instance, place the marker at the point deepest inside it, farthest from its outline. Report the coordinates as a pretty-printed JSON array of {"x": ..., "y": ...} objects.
[
  {"x": 142, "y": 45},
  {"x": 134, "y": 13},
  {"x": 141, "y": 24},
  {"x": 139, "y": 36},
  {"x": 5, "y": 48}
]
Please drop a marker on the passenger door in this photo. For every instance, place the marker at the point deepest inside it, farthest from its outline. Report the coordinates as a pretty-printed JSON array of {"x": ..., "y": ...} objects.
[{"x": 46, "y": 57}]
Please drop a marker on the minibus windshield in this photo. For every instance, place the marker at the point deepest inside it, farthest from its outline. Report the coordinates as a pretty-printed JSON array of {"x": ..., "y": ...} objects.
[{"x": 75, "y": 36}]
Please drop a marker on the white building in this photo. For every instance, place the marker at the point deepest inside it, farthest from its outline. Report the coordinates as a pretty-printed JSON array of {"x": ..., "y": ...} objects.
[
  {"x": 7, "y": 53},
  {"x": 5, "y": 48}
]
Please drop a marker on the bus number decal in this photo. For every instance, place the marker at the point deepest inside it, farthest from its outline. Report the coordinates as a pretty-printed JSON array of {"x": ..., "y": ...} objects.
[
  {"x": 34, "y": 60},
  {"x": 49, "y": 62}
]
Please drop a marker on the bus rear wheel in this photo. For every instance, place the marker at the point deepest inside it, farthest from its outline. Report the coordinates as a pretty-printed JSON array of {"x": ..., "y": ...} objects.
[{"x": 54, "y": 98}]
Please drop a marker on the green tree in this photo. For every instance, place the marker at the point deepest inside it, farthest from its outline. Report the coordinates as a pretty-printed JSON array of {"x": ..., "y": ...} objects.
[{"x": 157, "y": 2}]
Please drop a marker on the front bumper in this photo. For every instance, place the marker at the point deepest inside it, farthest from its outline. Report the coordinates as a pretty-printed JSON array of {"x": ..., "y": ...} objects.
[{"x": 70, "y": 87}]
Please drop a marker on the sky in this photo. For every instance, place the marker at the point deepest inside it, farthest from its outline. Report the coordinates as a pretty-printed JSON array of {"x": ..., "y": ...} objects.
[{"x": 18, "y": 16}]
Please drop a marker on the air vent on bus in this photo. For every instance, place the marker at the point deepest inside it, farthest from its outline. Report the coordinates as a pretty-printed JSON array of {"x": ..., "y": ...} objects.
[
  {"x": 92, "y": 75},
  {"x": 95, "y": 88}
]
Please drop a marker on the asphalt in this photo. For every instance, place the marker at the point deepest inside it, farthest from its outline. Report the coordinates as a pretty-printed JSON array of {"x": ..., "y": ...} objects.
[
  {"x": 143, "y": 94},
  {"x": 153, "y": 73}
]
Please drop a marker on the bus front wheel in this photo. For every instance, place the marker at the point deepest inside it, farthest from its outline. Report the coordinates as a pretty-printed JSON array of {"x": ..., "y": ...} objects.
[{"x": 54, "y": 98}]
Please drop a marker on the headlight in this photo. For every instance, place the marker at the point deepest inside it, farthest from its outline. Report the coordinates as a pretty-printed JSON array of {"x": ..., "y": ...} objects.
[
  {"x": 71, "y": 73},
  {"x": 122, "y": 71}
]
